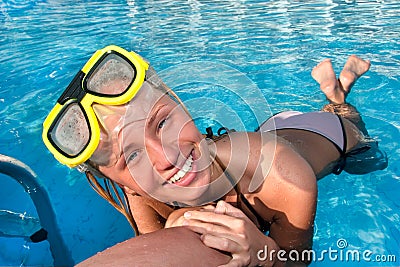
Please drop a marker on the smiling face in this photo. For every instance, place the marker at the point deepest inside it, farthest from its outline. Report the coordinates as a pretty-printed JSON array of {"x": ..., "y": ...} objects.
[{"x": 157, "y": 148}]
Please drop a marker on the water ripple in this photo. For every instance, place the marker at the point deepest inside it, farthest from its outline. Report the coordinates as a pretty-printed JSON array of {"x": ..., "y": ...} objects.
[{"x": 275, "y": 43}]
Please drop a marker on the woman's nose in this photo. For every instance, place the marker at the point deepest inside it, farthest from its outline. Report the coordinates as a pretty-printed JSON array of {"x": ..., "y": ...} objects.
[{"x": 163, "y": 155}]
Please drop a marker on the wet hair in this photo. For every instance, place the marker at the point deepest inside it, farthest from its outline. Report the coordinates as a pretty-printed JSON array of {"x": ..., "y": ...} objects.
[{"x": 109, "y": 190}]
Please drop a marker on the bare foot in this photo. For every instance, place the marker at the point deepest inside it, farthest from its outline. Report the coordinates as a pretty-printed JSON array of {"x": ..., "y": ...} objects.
[
  {"x": 324, "y": 74},
  {"x": 352, "y": 70}
]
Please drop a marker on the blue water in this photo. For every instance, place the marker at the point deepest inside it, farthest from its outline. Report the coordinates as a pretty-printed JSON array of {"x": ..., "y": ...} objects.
[{"x": 275, "y": 44}]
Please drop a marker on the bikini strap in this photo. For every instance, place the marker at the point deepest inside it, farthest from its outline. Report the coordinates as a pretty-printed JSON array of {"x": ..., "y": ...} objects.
[
  {"x": 342, "y": 150},
  {"x": 240, "y": 198},
  {"x": 344, "y": 153},
  {"x": 263, "y": 225},
  {"x": 222, "y": 132}
]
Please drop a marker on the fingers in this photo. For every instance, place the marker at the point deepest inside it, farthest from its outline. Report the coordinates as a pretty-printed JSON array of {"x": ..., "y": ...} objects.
[
  {"x": 201, "y": 225},
  {"x": 219, "y": 237},
  {"x": 174, "y": 223},
  {"x": 208, "y": 208},
  {"x": 218, "y": 225},
  {"x": 220, "y": 208},
  {"x": 223, "y": 244},
  {"x": 212, "y": 218},
  {"x": 176, "y": 217},
  {"x": 228, "y": 229},
  {"x": 226, "y": 208}
]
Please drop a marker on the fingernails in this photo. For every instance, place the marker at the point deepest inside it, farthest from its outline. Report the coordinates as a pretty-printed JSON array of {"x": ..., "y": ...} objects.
[
  {"x": 187, "y": 214},
  {"x": 221, "y": 203},
  {"x": 221, "y": 207},
  {"x": 185, "y": 223}
]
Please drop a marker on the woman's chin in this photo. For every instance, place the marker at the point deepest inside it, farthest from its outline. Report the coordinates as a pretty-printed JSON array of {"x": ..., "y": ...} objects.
[{"x": 191, "y": 195}]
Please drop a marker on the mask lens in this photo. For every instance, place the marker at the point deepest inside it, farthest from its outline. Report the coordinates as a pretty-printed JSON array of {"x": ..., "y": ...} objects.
[
  {"x": 71, "y": 132},
  {"x": 112, "y": 76}
]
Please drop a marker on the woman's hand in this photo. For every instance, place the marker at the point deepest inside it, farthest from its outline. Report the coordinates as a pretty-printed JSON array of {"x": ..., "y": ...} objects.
[
  {"x": 228, "y": 229},
  {"x": 176, "y": 218}
]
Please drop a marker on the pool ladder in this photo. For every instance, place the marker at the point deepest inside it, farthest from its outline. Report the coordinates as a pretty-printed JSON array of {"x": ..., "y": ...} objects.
[{"x": 32, "y": 185}]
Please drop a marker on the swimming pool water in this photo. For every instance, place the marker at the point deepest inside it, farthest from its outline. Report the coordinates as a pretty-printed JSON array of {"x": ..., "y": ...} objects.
[{"x": 274, "y": 43}]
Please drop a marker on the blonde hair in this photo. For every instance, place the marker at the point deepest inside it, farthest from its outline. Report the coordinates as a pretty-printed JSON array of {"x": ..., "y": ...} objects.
[{"x": 110, "y": 191}]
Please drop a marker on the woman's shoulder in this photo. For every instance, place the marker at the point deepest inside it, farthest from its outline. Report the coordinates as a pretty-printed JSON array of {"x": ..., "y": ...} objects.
[
  {"x": 254, "y": 156},
  {"x": 244, "y": 141},
  {"x": 264, "y": 158},
  {"x": 149, "y": 214},
  {"x": 276, "y": 177}
]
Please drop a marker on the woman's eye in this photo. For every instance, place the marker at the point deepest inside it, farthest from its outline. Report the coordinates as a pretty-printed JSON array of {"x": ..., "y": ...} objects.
[
  {"x": 162, "y": 123},
  {"x": 133, "y": 155}
]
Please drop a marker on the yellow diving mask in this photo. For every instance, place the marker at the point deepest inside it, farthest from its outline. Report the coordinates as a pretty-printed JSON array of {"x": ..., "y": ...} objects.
[{"x": 112, "y": 76}]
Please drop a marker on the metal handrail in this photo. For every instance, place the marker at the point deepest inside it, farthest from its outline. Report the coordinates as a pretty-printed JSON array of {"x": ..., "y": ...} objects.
[{"x": 32, "y": 185}]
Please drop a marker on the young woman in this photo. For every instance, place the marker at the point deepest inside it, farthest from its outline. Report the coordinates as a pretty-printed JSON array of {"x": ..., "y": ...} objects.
[{"x": 118, "y": 121}]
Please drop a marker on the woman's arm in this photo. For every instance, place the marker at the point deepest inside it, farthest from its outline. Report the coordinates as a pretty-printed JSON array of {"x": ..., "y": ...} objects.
[
  {"x": 290, "y": 190},
  {"x": 150, "y": 215}
]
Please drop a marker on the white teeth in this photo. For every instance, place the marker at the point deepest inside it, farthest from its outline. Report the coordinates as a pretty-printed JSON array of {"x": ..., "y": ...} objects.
[{"x": 187, "y": 167}]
